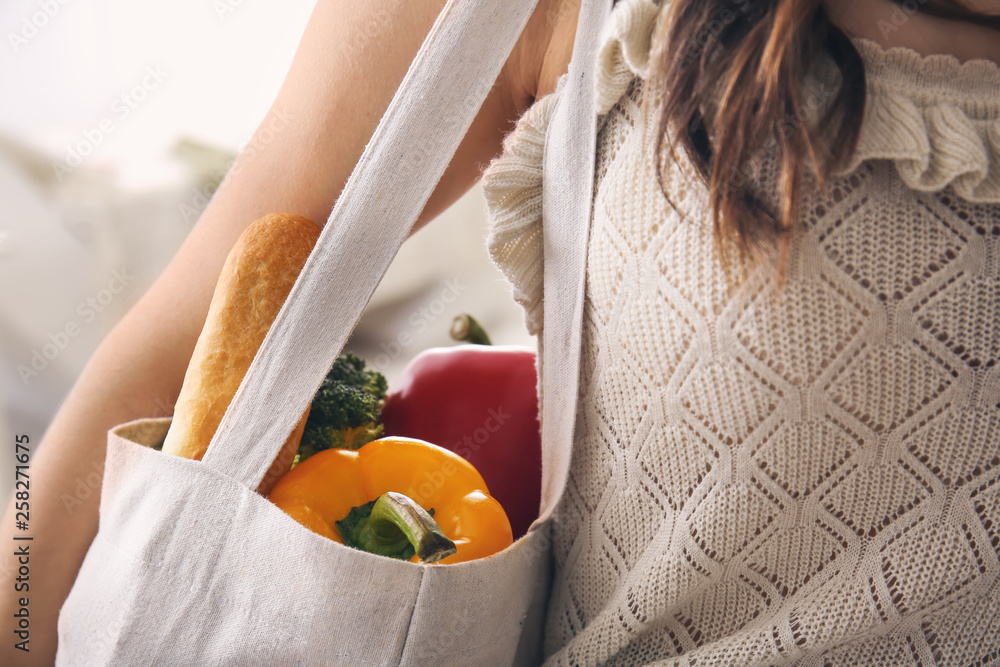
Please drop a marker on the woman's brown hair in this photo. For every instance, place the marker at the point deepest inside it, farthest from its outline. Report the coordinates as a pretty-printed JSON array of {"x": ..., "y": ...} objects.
[{"x": 730, "y": 78}]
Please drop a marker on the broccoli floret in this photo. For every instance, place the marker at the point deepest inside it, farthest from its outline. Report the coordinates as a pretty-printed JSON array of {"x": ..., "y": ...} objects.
[{"x": 345, "y": 410}]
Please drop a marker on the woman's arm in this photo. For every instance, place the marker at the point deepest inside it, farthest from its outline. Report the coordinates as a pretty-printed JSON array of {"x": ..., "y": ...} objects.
[{"x": 349, "y": 63}]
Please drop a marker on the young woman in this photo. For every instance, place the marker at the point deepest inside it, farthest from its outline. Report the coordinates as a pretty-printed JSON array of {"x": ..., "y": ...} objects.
[
  {"x": 787, "y": 446},
  {"x": 788, "y": 438}
]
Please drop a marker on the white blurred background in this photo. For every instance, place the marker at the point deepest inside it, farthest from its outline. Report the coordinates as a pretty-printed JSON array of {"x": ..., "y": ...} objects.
[{"x": 116, "y": 116}]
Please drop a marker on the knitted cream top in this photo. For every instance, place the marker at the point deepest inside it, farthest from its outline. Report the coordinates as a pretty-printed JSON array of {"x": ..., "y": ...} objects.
[{"x": 806, "y": 475}]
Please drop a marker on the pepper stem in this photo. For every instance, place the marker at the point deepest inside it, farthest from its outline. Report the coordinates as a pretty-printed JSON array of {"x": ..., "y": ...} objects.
[
  {"x": 396, "y": 526},
  {"x": 465, "y": 329}
]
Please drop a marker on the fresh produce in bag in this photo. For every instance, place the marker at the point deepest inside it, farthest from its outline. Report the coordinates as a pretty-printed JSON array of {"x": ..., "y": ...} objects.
[
  {"x": 380, "y": 499},
  {"x": 397, "y": 497},
  {"x": 255, "y": 281},
  {"x": 481, "y": 402},
  {"x": 345, "y": 412}
]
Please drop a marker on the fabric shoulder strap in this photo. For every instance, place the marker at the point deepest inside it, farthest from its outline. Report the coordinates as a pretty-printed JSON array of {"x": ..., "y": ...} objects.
[
  {"x": 429, "y": 115},
  {"x": 567, "y": 198}
]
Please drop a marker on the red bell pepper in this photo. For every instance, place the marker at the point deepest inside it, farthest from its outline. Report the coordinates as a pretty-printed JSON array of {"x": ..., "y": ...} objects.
[{"x": 481, "y": 402}]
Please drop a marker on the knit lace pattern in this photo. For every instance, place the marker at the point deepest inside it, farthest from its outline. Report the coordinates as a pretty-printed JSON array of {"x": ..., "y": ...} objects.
[{"x": 801, "y": 473}]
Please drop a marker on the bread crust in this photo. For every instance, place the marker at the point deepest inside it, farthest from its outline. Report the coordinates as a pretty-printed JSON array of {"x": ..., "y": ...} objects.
[{"x": 255, "y": 281}]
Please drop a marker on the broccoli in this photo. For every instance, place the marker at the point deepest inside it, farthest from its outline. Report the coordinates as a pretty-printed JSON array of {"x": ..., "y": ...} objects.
[{"x": 345, "y": 410}]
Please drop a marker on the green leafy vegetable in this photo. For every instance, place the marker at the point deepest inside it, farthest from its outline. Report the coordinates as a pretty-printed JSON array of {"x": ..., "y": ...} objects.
[{"x": 345, "y": 410}]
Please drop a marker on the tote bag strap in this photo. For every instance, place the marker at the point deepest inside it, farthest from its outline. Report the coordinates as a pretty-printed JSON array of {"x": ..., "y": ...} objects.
[
  {"x": 567, "y": 198},
  {"x": 429, "y": 115}
]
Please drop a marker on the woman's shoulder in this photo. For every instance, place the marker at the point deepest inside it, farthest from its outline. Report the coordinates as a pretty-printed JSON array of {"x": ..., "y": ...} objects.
[
  {"x": 551, "y": 33},
  {"x": 543, "y": 52},
  {"x": 512, "y": 184}
]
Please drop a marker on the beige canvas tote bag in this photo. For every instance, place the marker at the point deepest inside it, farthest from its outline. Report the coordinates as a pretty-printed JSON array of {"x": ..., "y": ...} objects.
[{"x": 191, "y": 567}]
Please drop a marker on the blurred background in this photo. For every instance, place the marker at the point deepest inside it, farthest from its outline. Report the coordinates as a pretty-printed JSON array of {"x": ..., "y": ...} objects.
[{"x": 118, "y": 120}]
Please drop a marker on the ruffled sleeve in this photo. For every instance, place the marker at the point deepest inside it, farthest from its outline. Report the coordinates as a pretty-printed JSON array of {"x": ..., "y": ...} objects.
[
  {"x": 512, "y": 184},
  {"x": 935, "y": 118}
]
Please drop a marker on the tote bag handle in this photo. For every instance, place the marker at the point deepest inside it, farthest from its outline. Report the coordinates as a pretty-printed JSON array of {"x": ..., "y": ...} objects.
[
  {"x": 420, "y": 131},
  {"x": 567, "y": 199}
]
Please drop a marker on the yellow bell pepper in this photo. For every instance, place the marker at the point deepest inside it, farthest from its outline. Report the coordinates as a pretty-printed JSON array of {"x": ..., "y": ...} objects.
[{"x": 389, "y": 487}]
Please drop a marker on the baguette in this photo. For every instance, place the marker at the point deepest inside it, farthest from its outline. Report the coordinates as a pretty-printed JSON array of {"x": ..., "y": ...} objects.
[{"x": 257, "y": 277}]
